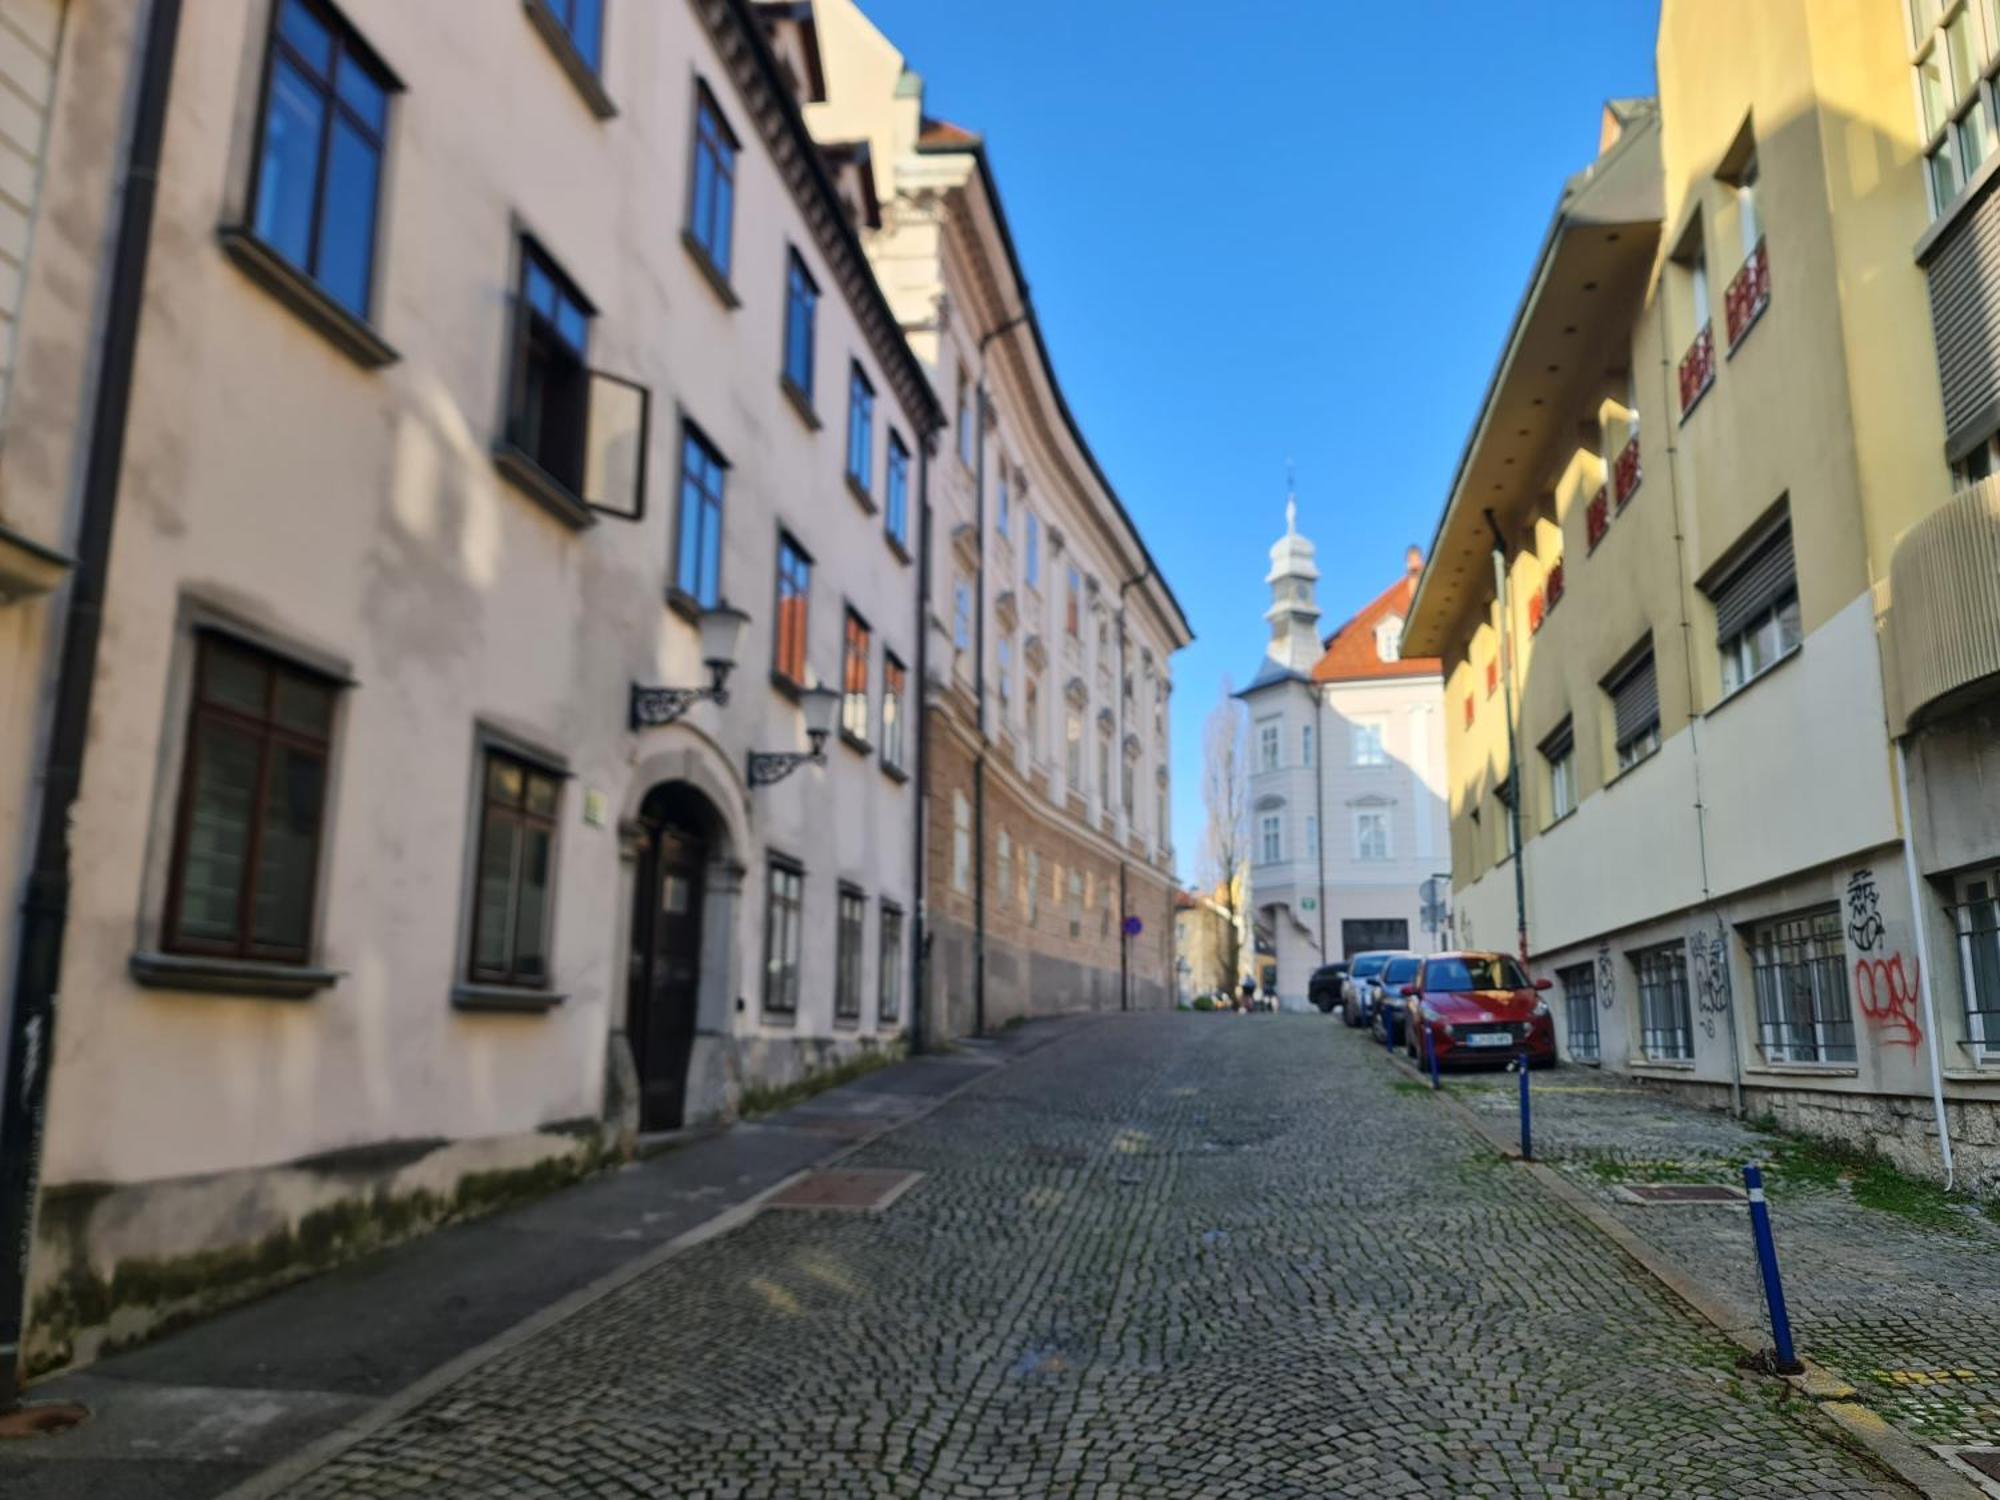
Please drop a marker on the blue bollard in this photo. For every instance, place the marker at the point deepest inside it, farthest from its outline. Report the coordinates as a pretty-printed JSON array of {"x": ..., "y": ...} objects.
[
  {"x": 1527, "y": 1129},
  {"x": 1431, "y": 1056},
  {"x": 1767, "y": 1262}
]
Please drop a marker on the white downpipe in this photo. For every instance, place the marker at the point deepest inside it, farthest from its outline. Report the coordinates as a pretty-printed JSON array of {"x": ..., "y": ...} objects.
[{"x": 1923, "y": 953}]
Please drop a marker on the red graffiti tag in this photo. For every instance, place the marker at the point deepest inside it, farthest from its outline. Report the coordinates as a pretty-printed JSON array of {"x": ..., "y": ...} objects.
[{"x": 1888, "y": 997}]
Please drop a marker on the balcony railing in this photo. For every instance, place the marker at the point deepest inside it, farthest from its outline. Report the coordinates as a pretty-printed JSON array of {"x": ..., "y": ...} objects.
[
  {"x": 1626, "y": 473},
  {"x": 1943, "y": 625},
  {"x": 1597, "y": 518},
  {"x": 1748, "y": 295},
  {"x": 1697, "y": 369},
  {"x": 1554, "y": 587}
]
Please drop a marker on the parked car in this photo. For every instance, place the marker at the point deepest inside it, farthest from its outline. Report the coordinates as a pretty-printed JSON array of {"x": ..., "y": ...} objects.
[
  {"x": 1386, "y": 1014},
  {"x": 1323, "y": 989},
  {"x": 1478, "y": 1009},
  {"x": 1359, "y": 993}
]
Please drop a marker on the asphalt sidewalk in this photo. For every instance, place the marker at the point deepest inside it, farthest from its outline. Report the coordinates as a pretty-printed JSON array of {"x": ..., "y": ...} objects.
[
  {"x": 1889, "y": 1281},
  {"x": 195, "y": 1412}
]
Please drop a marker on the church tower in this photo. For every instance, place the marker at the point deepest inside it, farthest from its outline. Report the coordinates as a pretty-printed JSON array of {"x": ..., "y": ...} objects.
[{"x": 1294, "y": 611}]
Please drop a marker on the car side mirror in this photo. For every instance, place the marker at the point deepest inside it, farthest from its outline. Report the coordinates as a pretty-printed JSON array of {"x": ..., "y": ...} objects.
[
  {"x": 1544, "y": 984},
  {"x": 1410, "y": 992}
]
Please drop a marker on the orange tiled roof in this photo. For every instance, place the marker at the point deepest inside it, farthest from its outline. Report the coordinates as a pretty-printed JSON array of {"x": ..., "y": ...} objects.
[
  {"x": 942, "y": 135},
  {"x": 1350, "y": 651}
]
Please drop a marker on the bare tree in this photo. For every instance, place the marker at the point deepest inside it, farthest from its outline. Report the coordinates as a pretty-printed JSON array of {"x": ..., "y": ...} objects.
[{"x": 1225, "y": 793}]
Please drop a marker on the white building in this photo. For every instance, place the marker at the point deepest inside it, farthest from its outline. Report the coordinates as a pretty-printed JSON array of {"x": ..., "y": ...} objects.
[{"x": 1347, "y": 812}]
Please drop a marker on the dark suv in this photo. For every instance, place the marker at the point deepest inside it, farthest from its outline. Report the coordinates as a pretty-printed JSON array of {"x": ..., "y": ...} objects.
[{"x": 1323, "y": 989}]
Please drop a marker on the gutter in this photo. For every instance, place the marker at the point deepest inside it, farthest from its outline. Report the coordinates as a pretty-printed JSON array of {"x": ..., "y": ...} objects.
[
  {"x": 919, "y": 698},
  {"x": 31, "y": 1015}
]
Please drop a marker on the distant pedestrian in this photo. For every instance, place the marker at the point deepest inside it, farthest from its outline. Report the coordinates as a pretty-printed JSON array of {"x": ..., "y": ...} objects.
[{"x": 1249, "y": 997}]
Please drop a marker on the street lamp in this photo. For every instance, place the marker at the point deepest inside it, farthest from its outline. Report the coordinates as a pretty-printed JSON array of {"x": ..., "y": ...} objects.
[
  {"x": 818, "y": 705},
  {"x": 721, "y": 632}
]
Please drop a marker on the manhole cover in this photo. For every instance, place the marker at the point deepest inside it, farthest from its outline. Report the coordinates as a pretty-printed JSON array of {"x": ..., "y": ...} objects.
[
  {"x": 40, "y": 1419},
  {"x": 858, "y": 1190},
  {"x": 1671, "y": 1194}
]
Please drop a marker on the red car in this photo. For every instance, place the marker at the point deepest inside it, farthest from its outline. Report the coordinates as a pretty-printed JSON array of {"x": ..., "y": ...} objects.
[{"x": 1478, "y": 1008}]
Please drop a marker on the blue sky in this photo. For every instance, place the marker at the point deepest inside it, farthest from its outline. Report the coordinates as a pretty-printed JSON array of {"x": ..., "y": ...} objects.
[{"x": 1267, "y": 230}]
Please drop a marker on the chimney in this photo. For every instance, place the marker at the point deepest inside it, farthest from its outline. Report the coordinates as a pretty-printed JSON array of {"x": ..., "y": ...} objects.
[{"x": 1413, "y": 561}]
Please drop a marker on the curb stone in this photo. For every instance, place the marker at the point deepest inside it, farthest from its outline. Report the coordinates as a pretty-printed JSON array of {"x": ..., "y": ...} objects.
[
  {"x": 1922, "y": 1469},
  {"x": 275, "y": 1480}
]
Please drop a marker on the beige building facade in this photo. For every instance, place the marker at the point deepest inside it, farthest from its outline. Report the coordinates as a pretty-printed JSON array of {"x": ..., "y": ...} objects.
[
  {"x": 417, "y": 861},
  {"x": 1712, "y": 437},
  {"x": 1049, "y": 866}
]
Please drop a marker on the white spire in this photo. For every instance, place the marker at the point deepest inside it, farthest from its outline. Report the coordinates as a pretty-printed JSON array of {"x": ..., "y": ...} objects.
[{"x": 1294, "y": 580}]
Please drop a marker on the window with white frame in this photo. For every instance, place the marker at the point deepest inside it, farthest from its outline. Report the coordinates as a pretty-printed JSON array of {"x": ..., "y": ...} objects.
[
  {"x": 1579, "y": 987},
  {"x": 1371, "y": 835},
  {"x": 1366, "y": 741},
  {"x": 1268, "y": 751},
  {"x": 1634, "y": 692},
  {"x": 1757, "y": 608},
  {"x": 1270, "y": 838},
  {"x": 1306, "y": 745},
  {"x": 1032, "y": 896},
  {"x": 961, "y": 615},
  {"x": 1559, "y": 755},
  {"x": 1312, "y": 837},
  {"x": 1666, "y": 1023},
  {"x": 961, "y": 843},
  {"x": 1953, "y": 50},
  {"x": 1976, "y": 920},
  {"x": 1799, "y": 966},
  {"x": 1389, "y": 639},
  {"x": 1031, "y": 564},
  {"x": 1003, "y": 859},
  {"x": 1073, "y": 747}
]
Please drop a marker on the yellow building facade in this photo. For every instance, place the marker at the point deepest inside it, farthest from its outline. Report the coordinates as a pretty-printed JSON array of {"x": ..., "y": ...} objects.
[{"x": 1715, "y": 426}]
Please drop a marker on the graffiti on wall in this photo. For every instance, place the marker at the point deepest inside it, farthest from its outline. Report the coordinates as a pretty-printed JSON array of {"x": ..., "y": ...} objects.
[
  {"x": 1886, "y": 986},
  {"x": 1607, "y": 977},
  {"x": 1708, "y": 967}
]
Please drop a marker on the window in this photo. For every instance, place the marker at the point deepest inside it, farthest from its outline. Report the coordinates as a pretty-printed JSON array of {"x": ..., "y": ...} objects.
[
  {"x": 784, "y": 903},
  {"x": 893, "y": 689},
  {"x": 1976, "y": 919},
  {"x": 964, "y": 426},
  {"x": 1073, "y": 603},
  {"x": 1104, "y": 770},
  {"x": 1371, "y": 835},
  {"x": 1268, "y": 750},
  {"x": 896, "y": 506},
  {"x": 1073, "y": 747},
  {"x": 1697, "y": 268},
  {"x": 1003, "y": 859},
  {"x": 860, "y": 429},
  {"x": 512, "y": 891},
  {"x": 961, "y": 844},
  {"x": 1749, "y": 229},
  {"x": 1951, "y": 48},
  {"x": 1635, "y": 710},
  {"x": 1666, "y": 1026},
  {"x": 1559, "y": 753},
  {"x": 854, "y": 662},
  {"x": 581, "y": 428},
  {"x": 1757, "y": 608},
  {"x": 1005, "y": 657},
  {"x": 1002, "y": 506},
  {"x": 1126, "y": 775},
  {"x": 1033, "y": 545},
  {"x": 698, "y": 559},
  {"x": 1365, "y": 740},
  {"x": 712, "y": 202},
  {"x": 252, "y": 802},
  {"x": 794, "y": 594},
  {"x": 801, "y": 307},
  {"x": 1031, "y": 699},
  {"x": 1075, "y": 903},
  {"x": 1312, "y": 837},
  {"x": 1162, "y": 828},
  {"x": 961, "y": 615},
  {"x": 1458, "y": 976},
  {"x": 1503, "y": 793},
  {"x": 1270, "y": 838},
  {"x": 889, "y": 955},
  {"x": 1389, "y": 640},
  {"x": 1579, "y": 986},
  {"x": 319, "y": 154},
  {"x": 1034, "y": 892},
  {"x": 1799, "y": 965},
  {"x": 1305, "y": 744},
  {"x": 582, "y": 21},
  {"x": 849, "y": 931}
]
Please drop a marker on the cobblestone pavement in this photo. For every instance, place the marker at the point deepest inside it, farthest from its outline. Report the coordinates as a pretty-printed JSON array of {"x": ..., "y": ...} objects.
[
  {"x": 1905, "y": 1308},
  {"x": 1177, "y": 1255}
]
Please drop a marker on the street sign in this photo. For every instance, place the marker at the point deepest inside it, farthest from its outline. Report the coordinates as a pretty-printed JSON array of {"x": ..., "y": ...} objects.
[
  {"x": 1309, "y": 903},
  {"x": 1133, "y": 927}
]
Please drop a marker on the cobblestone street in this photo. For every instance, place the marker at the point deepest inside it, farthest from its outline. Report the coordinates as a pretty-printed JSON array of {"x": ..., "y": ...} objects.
[{"x": 1174, "y": 1255}]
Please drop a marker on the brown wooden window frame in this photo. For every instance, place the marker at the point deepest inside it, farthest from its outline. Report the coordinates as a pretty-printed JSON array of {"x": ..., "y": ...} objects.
[
  {"x": 895, "y": 705},
  {"x": 857, "y": 688},
  {"x": 269, "y": 731},
  {"x": 788, "y": 642},
  {"x": 850, "y": 950},
  {"x": 519, "y": 812}
]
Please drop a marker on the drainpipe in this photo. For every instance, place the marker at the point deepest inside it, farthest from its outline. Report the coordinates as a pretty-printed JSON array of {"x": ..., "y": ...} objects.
[
  {"x": 1923, "y": 954},
  {"x": 1513, "y": 754},
  {"x": 919, "y": 698},
  {"x": 979, "y": 681},
  {"x": 1319, "y": 810},
  {"x": 45, "y": 907}
]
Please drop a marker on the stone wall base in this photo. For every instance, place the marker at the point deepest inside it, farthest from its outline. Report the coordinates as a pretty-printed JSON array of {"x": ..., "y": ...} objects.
[
  {"x": 1899, "y": 1128},
  {"x": 1021, "y": 984}
]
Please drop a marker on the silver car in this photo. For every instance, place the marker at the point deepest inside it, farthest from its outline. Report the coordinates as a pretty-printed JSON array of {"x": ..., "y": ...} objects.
[{"x": 1362, "y": 990}]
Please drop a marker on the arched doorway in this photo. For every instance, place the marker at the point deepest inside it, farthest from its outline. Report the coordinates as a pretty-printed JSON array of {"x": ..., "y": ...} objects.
[{"x": 678, "y": 827}]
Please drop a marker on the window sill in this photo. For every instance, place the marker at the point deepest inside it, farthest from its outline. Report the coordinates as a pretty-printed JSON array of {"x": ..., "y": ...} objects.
[
  {"x": 1661, "y": 1064},
  {"x": 580, "y": 72},
  {"x": 1558, "y": 820},
  {"x": 1957, "y": 209},
  {"x": 897, "y": 546},
  {"x": 847, "y": 1023},
  {"x": 895, "y": 773},
  {"x": 1623, "y": 771},
  {"x": 785, "y": 685},
  {"x": 350, "y": 335},
  {"x": 860, "y": 492},
  {"x": 1743, "y": 687},
  {"x": 786, "y": 1018},
  {"x": 684, "y": 604},
  {"x": 27, "y": 568},
  {"x": 1979, "y": 1073},
  {"x": 856, "y": 743},
  {"x": 714, "y": 275},
  {"x": 230, "y": 976},
  {"x": 542, "y": 487},
  {"x": 505, "y": 998},
  {"x": 1803, "y": 1070},
  {"x": 801, "y": 402}
]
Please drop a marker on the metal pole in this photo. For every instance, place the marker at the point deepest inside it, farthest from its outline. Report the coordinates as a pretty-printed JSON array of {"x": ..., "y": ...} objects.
[
  {"x": 1921, "y": 926},
  {"x": 1513, "y": 755},
  {"x": 1431, "y": 1057},
  {"x": 1527, "y": 1118},
  {"x": 919, "y": 698},
  {"x": 1767, "y": 1263}
]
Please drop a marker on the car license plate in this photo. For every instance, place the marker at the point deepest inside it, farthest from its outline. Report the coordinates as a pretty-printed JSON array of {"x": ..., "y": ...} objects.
[{"x": 1489, "y": 1039}]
